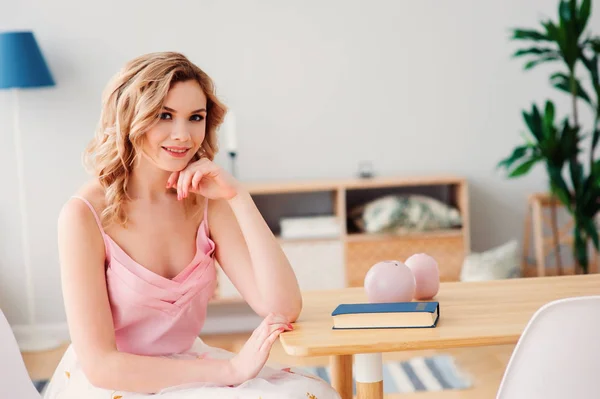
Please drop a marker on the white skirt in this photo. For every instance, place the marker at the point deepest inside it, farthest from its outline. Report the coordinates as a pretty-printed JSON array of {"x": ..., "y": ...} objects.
[{"x": 69, "y": 382}]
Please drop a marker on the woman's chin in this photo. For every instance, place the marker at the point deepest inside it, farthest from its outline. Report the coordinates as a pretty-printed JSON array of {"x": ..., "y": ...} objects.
[{"x": 173, "y": 165}]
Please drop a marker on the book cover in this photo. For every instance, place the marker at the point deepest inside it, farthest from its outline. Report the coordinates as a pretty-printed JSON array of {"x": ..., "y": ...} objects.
[{"x": 386, "y": 315}]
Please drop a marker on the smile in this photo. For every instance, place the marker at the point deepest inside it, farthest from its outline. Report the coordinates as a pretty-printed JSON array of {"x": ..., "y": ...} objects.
[{"x": 176, "y": 152}]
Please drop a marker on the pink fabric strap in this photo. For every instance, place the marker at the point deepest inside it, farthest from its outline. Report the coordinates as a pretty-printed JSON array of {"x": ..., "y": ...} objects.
[{"x": 93, "y": 212}]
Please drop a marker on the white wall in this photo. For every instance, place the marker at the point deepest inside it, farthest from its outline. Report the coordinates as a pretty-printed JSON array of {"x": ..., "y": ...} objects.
[{"x": 417, "y": 87}]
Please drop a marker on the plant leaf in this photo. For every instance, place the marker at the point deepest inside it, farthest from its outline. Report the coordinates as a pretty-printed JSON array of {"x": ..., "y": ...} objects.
[
  {"x": 552, "y": 32},
  {"x": 587, "y": 200},
  {"x": 541, "y": 60},
  {"x": 524, "y": 167},
  {"x": 561, "y": 82},
  {"x": 591, "y": 65},
  {"x": 570, "y": 139},
  {"x": 576, "y": 175},
  {"x": 596, "y": 169},
  {"x": 548, "y": 124},
  {"x": 580, "y": 248},
  {"x": 559, "y": 187},
  {"x": 527, "y": 34},
  {"x": 584, "y": 14},
  {"x": 567, "y": 32},
  {"x": 595, "y": 138},
  {"x": 592, "y": 231},
  {"x": 564, "y": 10},
  {"x": 533, "y": 122},
  {"x": 559, "y": 76},
  {"x": 534, "y": 51},
  {"x": 595, "y": 204},
  {"x": 527, "y": 138},
  {"x": 562, "y": 195},
  {"x": 517, "y": 154},
  {"x": 536, "y": 119},
  {"x": 596, "y": 44}
]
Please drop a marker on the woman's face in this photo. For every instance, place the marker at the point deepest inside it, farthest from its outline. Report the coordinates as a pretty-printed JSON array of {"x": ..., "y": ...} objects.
[{"x": 173, "y": 141}]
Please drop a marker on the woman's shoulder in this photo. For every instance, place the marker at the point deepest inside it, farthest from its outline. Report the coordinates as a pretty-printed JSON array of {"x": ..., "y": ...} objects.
[
  {"x": 93, "y": 192},
  {"x": 80, "y": 235},
  {"x": 77, "y": 208}
]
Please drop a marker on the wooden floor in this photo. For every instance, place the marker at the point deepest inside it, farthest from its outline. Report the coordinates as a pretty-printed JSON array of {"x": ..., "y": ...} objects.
[{"x": 485, "y": 365}]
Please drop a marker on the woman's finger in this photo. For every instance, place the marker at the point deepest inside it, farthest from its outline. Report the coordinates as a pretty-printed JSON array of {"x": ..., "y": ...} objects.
[
  {"x": 284, "y": 321},
  {"x": 256, "y": 331},
  {"x": 285, "y": 326},
  {"x": 196, "y": 180},
  {"x": 258, "y": 335},
  {"x": 187, "y": 180},
  {"x": 180, "y": 185},
  {"x": 172, "y": 179},
  {"x": 268, "y": 343},
  {"x": 266, "y": 333},
  {"x": 263, "y": 330}
]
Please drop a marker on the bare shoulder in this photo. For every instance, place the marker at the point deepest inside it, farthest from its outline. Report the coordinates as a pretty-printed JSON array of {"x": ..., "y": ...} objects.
[
  {"x": 76, "y": 219},
  {"x": 91, "y": 191},
  {"x": 94, "y": 193}
]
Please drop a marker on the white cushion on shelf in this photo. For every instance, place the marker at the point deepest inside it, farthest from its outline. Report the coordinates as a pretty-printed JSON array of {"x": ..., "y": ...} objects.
[
  {"x": 497, "y": 263},
  {"x": 310, "y": 227},
  {"x": 318, "y": 265}
]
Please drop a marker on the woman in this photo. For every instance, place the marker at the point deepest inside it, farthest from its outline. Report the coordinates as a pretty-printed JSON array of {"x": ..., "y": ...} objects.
[{"x": 138, "y": 243}]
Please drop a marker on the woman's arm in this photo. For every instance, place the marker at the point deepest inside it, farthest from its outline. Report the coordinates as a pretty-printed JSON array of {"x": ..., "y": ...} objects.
[
  {"x": 245, "y": 246},
  {"x": 81, "y": 251},
  {"x": 252, "y": 257}
]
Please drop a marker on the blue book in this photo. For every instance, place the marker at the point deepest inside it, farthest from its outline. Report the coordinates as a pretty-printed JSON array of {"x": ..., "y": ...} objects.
[{"x": 386, "y": 315}]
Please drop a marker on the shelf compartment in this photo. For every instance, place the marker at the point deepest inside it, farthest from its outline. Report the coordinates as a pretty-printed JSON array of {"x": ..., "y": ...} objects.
[{"x": 276, "y": 206}]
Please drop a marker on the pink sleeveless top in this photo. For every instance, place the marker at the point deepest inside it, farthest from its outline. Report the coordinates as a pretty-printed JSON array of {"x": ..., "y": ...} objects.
[{"x": 154, "y": 315}]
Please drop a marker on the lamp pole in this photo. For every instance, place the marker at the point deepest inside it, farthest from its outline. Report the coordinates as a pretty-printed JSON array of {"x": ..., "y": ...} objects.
[
  {"x": 23, "y": 209},
  {"x": 31, "y": 338},
  {"x": 22, "y": 65}
]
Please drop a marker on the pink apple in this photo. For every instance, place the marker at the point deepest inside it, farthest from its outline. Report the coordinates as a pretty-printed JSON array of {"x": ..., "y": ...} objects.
[
  {"x": 389, "y": 281},
  {"x": 427, "y": 275}
]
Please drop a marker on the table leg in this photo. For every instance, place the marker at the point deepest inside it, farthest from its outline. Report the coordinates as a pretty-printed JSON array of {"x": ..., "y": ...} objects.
[
  {"x": 368, "y": 372},
  {"x": 341, "y": 375}
]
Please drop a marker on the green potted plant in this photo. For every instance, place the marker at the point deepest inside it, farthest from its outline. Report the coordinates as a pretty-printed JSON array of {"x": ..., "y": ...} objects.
[{"x": 573, "y": 176}]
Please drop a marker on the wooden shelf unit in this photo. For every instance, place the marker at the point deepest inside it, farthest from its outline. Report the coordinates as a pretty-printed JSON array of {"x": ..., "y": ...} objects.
[{"x": 342, "y": 261}]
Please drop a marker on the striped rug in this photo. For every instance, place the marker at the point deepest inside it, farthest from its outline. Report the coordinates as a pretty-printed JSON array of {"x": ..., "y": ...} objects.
[{"x": 433, "y": 373}]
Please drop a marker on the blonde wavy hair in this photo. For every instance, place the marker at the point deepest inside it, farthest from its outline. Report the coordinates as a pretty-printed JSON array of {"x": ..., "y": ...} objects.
[{"x": 131, "y": 105}]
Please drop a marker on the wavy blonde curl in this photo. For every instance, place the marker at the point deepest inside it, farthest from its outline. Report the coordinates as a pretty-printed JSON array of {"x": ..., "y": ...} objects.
[{"x": 131, "y": 105}]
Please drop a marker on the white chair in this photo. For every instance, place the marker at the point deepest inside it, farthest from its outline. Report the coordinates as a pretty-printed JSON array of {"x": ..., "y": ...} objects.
[
  {"x": 558, "y": 354},
  {"x": 14, "y": 378}
]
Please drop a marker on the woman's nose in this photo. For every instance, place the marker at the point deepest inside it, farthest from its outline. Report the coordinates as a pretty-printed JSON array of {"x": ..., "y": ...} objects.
[{"x": 180, "y": 131}]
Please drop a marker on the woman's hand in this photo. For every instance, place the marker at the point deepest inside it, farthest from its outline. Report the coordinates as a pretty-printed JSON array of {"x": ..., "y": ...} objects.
[
  {"x": 205, "y": 178},
  {"x": 255, "y": 352}
]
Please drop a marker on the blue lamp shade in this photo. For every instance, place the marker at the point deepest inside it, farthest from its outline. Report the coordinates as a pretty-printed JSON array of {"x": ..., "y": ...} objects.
[{"x": 22, "y": 64}]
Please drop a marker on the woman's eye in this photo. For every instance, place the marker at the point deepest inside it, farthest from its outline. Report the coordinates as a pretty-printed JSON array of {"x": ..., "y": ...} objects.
[
  {"x": 197, "y": 118},
  {"x": 165, "y": 115}
]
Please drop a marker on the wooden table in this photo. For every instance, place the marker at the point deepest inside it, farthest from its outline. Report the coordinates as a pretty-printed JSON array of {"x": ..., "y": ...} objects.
[{"x": 471, "y": 314}]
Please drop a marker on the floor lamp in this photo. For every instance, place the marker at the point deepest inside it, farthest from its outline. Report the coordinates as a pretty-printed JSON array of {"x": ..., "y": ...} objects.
[{"x": 22, "y": 66}]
